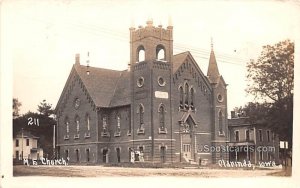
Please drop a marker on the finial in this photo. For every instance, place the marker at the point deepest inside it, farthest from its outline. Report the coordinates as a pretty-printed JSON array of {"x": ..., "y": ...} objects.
[
  {"x": 149, "y": 22},
  {"x": 77, "y": 58},
  {"x": 132, "y": 24},
  {"x": 170, "y": 22},
  {"x": 211, "y": 43},
  {"x": 88, "y": 64}
]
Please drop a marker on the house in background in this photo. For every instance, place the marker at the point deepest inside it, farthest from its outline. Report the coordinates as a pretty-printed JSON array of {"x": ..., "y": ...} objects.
[
  {"x": 25, "y": 146},
  {"x": 250, "y": 141}
]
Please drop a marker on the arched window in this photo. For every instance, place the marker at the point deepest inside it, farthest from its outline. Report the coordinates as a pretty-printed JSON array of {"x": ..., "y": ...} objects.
[
  {"x": 160, "y": 52},
  {"x": 181, "y": 96},
  {"x": 192, "y": 97},
  {"x": 141, "y": 111},
  {"x": 67, "y": 125},
  {"x": 140, "y": 54},
  {"x": 118, "y": 121},
  {"x": 220, "y": 122},
  {"x": 104, "y": 123},
  {"x": 77, "y": 121},
  {"x": 118, "y": 128},
  {"x": 186, "y": 95},
  {"x": 161, "y": 117},
  {"x": 88, "y": 122}
]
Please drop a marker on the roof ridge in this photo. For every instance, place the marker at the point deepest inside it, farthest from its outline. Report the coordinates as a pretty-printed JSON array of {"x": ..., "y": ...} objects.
[
  {"x": 182, "y": 53},
  {"x": 103, "y": 68}
]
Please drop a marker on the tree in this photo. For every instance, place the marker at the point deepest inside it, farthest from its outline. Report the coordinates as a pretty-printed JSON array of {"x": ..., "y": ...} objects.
[
  {"x": 271, "y": 80},
  {"x": 16, "y": 107},
  {"x": 45, "y": 108},
  {"x": 271, "y": 77},
  {"x": 43, "y": 129}
]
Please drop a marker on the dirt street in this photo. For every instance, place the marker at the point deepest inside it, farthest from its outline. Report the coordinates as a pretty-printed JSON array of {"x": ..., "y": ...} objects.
[{"x": 98, "y": 171}]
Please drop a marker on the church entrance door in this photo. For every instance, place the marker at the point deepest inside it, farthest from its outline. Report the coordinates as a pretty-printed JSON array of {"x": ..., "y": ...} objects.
[{"x": 187, "y": 147}]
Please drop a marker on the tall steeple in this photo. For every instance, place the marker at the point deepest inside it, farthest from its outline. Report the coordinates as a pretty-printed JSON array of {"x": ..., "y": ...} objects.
[{"x": 213, "y": 71}]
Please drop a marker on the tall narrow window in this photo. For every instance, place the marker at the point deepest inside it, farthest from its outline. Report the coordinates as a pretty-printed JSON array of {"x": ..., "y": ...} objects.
[
  {"x": 186, "y": 95},
  {"x": 260, "y": 155},
  {"x": 247, "y": 135},
  {"x": 163, "y": 154},
  {"x": 141, "y": 129},
  {"x": 260, "y": 135},
  {"x": 162, "y": 117},
  {"x": 88, "y": 122},
  {"x": 160, "y": 52},
  {"x": 67, "y": 128},
  {"x": 77, "y": 124},
  {"x": 220, "y": 122},
  {"x": 118, "y": 122},
  {"x": 77, "y": 155},
  {"x": 192, "y": 97},
  {"x": 268, "y": 135},
  {"x": 129, "y": 122},
  {"x": 118, "y": 126},
  {"x": 181, "y": 97},
  {"x": 87, "y": 155},
  {"x": 237, "y": 136},
  {"x": 118, "y": 155},
  {"x": 27, "y": 142},
  {"x": 66, "y": 137},
  {"x": 140, "y": 54},
  {"x": 17, "y": 143},
  {"x": 141, "y": 110},
  {"x": 105, "y": 132},
  {"x": 104, "y": 123}
]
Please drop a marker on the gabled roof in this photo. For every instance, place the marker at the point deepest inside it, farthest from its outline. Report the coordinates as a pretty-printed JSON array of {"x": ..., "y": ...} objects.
[
  {"x": 106, "y": 87},
  {"x": 25, "y": 134},
  {"x": 111, "y": 88},
  {"x": 178, "y": 59},
  {"x": 122, "y": 93},
  {"x": 185, "y": 117}
]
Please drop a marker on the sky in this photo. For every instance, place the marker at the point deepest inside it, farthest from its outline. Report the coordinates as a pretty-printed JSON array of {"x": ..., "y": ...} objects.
[{"x": 46, "y": 36}]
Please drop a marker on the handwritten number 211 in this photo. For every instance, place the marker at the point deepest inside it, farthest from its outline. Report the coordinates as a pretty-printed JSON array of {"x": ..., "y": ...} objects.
[{"x": 33, "y": 121}]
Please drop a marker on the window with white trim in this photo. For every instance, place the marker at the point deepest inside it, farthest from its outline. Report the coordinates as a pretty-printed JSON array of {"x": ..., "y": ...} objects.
[
  {"x": 192, "y": 91},
  {"x": 237, "y": 136},
  {"x": 141, "y": 129},
  {"x": 221, "y": 122},
  {"x": 186, "y": 101},
  {"x": 181, "y": 97},
  {"x": 161, "y": 111}
]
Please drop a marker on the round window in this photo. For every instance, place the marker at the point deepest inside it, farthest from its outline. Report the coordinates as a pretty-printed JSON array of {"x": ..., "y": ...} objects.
[
  {"x": 220, "y": 98},
  {"x": 161, "y": 81},
  {"x": 140, "y": 82}
]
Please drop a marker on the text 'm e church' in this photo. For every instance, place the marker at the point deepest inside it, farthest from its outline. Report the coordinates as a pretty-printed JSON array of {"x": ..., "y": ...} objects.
[{"x": 160, "y": 110}]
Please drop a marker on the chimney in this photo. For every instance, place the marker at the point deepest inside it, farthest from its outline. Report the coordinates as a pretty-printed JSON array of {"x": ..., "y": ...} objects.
[
  {"x": 77, "y": 59},
  {"x": 232, "y": 114},
  {"x": 128, "y": 67}
]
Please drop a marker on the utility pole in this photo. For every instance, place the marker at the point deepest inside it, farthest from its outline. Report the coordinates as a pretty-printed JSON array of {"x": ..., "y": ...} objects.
[
  {"x": 22, "y": 143},
  {"x": 54, "y": 141}
]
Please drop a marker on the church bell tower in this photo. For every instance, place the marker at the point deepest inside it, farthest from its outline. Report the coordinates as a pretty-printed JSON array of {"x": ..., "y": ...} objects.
[{"x": 151, "y": 52}]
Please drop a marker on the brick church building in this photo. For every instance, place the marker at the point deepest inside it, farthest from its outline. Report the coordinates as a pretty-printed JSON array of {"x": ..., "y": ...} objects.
[{"x": 162, "y": 109}]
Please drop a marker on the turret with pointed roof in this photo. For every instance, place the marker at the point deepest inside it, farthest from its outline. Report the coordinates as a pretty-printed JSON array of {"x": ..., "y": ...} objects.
[{"x": 213, "y": 71}]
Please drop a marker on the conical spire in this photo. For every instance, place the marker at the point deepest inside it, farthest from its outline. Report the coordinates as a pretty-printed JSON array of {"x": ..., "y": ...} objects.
[{"x": 213, "y": 71}]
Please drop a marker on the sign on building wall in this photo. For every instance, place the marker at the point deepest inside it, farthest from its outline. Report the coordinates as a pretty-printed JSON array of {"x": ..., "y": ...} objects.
[{"x": 161, "y": 94}]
